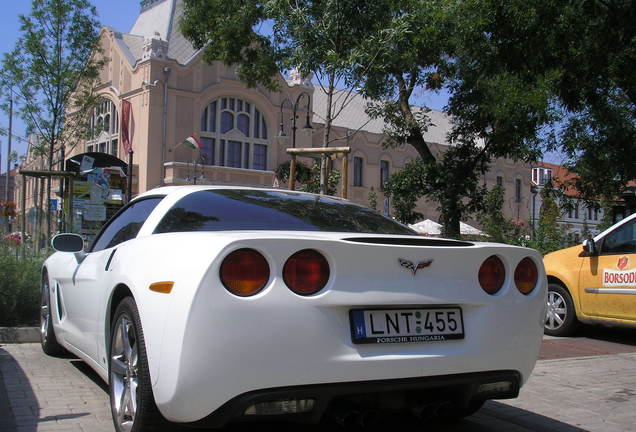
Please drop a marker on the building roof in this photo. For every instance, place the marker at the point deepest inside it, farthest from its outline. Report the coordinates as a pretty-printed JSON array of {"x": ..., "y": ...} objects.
[
  {"x": 566, "y": 179},
  {"x": 354, "y": 116},
  {"x": 157, "y": 17},
  {"x": 162, "y": 17},
  {"x": 563, "y": 178}
]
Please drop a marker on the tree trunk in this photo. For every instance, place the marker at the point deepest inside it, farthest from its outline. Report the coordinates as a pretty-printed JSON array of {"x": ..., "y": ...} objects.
[
  {"x": 450, "y": 220},
  {"x": 324, "y": 179},
  {"x": 450, "y": 214},
  {"x": 47, "y": 204},
  {"x": 40, "y": 207}
]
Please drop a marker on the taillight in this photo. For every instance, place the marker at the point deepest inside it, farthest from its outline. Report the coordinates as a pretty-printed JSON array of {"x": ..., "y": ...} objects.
[
  {"x": 244, "y": 272},
  {"x": 306, "y": 272},
  {"x": 492, "y": 274},
  {"x": 526, "y": 276}
]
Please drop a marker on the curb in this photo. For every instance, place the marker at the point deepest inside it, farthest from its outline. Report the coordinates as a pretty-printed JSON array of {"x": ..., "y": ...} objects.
[{"x": 19, "y": 334}]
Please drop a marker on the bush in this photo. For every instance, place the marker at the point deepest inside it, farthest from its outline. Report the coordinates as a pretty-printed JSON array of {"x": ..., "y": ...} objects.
[{"x": 19, "y": 287}]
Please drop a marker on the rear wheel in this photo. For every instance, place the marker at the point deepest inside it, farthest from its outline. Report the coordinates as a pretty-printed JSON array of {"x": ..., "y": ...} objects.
[
  {"x": 560, "y": 317},
  {"x": 131, "y": 400},
  {"x": 47, "y": 333}
]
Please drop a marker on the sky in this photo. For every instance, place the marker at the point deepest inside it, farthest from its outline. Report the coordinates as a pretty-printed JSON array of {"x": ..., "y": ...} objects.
[{"x": 121, "y": 15}]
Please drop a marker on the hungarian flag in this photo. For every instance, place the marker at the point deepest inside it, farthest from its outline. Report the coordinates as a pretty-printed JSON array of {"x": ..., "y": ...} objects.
[
  {"x": 126, "y": 117},
  {"x": 192, "y": 142}
]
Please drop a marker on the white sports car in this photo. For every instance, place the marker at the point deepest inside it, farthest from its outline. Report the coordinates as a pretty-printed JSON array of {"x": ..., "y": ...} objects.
[{"x": 208, "y": 305}]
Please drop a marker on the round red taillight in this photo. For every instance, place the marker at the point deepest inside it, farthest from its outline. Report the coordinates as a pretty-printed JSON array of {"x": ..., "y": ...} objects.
[
  {"x": 526, "y": 276},
  {"x": 244, "y": 272},
  {"x": 306, "y": 272},
  {"x": 492, "y": 274}
]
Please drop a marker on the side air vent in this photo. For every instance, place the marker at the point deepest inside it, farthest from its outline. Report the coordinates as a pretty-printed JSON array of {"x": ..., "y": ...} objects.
[
  {"x": 408, "y": 241},
  {"x": 60, "y": 308}
]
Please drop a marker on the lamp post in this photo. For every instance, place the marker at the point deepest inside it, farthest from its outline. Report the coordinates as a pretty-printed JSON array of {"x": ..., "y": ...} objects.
[
  {"x": 534, "y": 190},
  {"x": 10, "y": 133},
  {"x": 294, "y": 106}
]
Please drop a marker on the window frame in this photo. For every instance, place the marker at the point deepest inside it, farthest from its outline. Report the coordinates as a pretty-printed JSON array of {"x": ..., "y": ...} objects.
[
  {"x": 384, "y": 173},
  {"x": 358, "y": 171},
  {"x": 518, "y": 187},
  {"x": 210, "y": 128},
  {"x": 106, "y": 110}
]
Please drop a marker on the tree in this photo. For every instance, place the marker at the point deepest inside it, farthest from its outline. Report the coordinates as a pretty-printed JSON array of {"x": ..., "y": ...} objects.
[
  {"x": 585, "y": 230},
  {"x": 373, "y": 199},
  {"x": 549, "y": 236},
  {"x": 316, "y": 184},
  {"x": 309, "y": 178},
  {"x": 522, "y": 74},
  {"x": 54, "y": 70},
  {"x": 607, "y": 220},
  {"x": 584, "y": 50},
  {"x": 388, "y": 50},
  {"x": 494, "y": 113},
  {"x": 492, "y": 220},
  {"x": 405, "y": 188},
  {"x": 322, "y": 38}
]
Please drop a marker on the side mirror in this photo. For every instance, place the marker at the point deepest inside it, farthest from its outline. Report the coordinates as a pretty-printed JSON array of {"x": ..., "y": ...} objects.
[
  {"x": 589, "y": 246},
  {"x": 68, "y": 243}
]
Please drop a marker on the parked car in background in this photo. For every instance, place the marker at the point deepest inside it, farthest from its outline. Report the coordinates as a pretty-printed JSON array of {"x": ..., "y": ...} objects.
[
  {"x": 208, "y": 305},
  {"x": 593, "y": 283}
]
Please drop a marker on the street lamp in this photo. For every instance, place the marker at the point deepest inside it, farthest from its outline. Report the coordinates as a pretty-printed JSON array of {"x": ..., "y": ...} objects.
[
  {"x": 534, "y": 190},
  {"x": 281, "y": 132}
]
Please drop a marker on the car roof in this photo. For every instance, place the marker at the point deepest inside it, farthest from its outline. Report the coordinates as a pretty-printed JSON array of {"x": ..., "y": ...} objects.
[{"x": 187, "y": 189}]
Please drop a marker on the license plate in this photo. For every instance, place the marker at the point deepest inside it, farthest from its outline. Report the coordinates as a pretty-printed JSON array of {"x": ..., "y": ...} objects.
[{"x": 406, "y": 325}]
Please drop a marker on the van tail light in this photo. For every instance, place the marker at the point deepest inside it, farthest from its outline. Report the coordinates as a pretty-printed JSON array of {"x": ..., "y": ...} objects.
[
  {"x": 244, "y": 272},
  {"x": 526, "y": 276},
  {"x": 492, "y": 275},
  {"x": 306, "y": 272}
]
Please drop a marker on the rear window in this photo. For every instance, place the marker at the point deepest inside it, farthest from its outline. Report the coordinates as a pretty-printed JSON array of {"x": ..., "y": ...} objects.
[{"x": 225, "y": 209}]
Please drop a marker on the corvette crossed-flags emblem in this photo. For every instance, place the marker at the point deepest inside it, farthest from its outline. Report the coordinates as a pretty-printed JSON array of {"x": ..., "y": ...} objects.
[{"x": 410, "y": 265}]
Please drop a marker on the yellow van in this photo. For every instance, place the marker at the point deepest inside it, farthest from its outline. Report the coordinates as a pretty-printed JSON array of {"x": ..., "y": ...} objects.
[{"x": 595, "y": 283}]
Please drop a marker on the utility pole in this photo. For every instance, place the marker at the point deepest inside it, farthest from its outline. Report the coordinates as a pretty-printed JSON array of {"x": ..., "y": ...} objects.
[{"x": 6, "y": 190}]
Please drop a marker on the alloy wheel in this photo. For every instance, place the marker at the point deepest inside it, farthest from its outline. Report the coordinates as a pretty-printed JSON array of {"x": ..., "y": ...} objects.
[
  {"x": 556, "y": 312},
  {"x": 124, "y": 373},
  {"x": 45, "y": 312}
]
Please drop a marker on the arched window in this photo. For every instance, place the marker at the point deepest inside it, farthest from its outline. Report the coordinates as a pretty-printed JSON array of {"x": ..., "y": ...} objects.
[
  {"x": 104, "y": 129},
  {"x": 234, "y": 134}
]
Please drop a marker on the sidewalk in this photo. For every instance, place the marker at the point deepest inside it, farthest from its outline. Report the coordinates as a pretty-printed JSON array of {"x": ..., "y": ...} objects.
[{"x": 40, "y": 393}]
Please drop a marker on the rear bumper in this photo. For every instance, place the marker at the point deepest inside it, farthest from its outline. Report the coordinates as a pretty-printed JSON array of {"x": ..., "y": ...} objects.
[
  {"x": 230, "y": 351},
  {"x": 458, "y": 388},
  {"x": 218, "y": 347}
]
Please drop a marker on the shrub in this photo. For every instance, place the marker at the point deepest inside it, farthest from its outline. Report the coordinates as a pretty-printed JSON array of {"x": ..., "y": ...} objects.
[{"x": 19, "y": 287}]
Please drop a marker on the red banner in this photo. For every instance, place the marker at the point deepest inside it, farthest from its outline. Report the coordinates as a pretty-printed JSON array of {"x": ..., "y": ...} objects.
[{"x": 126, "y": 117}]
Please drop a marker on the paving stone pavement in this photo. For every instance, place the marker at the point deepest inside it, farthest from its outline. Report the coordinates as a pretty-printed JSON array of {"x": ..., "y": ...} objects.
[{"x": 40, "y": 393}]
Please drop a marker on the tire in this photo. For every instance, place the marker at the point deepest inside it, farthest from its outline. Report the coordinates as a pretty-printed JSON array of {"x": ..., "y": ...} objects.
[
  {"x": 560, "y": 315},
  {"x": 131, "y": 400},
  {"x": 48, "y": 340}
]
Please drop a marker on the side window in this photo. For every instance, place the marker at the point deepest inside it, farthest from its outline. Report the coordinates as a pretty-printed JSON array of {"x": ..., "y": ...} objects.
[
  {"x": 621, "y": 240},
  {"x": 126, "y": 224}
]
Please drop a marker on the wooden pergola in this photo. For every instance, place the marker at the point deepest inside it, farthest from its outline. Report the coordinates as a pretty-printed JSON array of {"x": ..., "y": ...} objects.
[{"x": 316, "y": 152}]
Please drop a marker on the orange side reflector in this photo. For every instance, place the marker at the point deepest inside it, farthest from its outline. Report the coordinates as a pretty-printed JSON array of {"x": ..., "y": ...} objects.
[{"x": 162, "y": 287}]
